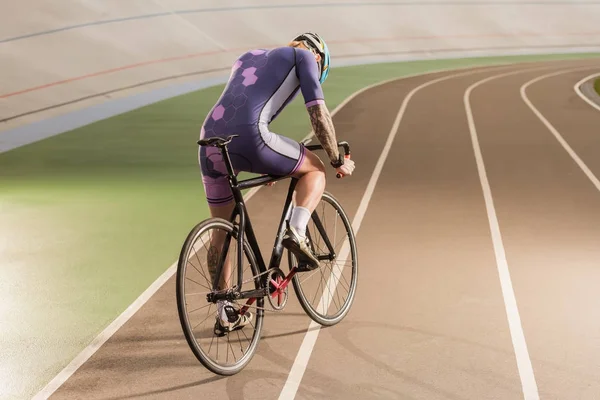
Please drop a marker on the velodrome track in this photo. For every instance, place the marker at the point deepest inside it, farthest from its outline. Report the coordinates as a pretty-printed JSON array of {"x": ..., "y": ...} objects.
[{"x": 478, "y": 257}]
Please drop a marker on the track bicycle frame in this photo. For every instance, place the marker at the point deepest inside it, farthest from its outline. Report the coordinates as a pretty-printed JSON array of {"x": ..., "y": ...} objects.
[{"x": 244, "y": 229}]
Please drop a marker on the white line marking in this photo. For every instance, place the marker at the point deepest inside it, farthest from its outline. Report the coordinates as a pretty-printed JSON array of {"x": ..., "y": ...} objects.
[
  {"x": 110, "y": 330},
  {"x": 301, "y": 362},
  {"x": 583, "y": 96},
  {"x": 553, "y": 130},
  {"x": 189, "y": 23},
  {"x": 82, "y": 357},
  {"x": 524, "y": 366}
]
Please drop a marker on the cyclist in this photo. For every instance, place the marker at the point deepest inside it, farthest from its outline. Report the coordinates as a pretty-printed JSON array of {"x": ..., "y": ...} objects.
[{"x": 262, "y": 83}]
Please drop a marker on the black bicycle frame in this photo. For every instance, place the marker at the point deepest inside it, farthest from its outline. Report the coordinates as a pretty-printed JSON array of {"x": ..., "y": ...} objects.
[{"x": 244, "y": 227}]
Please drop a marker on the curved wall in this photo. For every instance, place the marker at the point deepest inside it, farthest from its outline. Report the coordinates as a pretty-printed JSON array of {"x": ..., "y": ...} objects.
[{"x": 60, "y": 51}]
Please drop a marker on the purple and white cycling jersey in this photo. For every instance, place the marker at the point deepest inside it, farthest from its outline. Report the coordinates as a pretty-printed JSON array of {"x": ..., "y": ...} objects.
[{"x": 261, "y": 84}]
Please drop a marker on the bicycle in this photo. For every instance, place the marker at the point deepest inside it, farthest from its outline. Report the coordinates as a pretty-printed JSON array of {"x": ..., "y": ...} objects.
[{"x": 261, "y": 282}]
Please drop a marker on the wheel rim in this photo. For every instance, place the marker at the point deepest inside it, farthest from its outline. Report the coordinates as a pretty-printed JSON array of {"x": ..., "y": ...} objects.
[{"x": 329, "y": 290}]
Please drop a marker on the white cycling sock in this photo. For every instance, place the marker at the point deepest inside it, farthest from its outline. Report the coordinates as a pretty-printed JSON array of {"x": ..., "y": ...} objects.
[{"x": 299, "y": 219}]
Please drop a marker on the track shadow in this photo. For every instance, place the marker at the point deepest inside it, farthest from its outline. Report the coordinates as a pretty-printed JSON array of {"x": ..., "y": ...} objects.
[
  {"x": 181, "y": 337},
  {"x": 315, "y": 385},
  {"x": 285, "y": 334},
  {"x": 170, "y": 389},
  {"x": 342, "y": 336}
]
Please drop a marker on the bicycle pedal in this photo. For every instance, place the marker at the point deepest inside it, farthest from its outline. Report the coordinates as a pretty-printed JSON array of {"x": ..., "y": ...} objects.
[
  {"x": 232, "y": 314},
  {"x": 305, "y": 267},
  {"x": 219, "y": 330}
]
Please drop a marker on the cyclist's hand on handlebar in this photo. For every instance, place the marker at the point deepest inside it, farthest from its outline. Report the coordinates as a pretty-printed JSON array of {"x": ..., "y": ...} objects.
[{"x": 346, "y": 169}]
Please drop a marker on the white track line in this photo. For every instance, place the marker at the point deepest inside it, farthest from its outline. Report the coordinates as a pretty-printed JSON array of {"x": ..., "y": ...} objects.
[
  {"x": 189, "y": 23},
  {"x": 110, "y": 330},
  {"x": 524, "y": 366},
  {"x": 583, "y": 96},
  {"x": 301, "y": 362},
  {"x": 553, "y": 130}
]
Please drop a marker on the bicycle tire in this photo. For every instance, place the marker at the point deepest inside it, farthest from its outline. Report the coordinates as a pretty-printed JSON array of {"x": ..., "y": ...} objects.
[
  {"x": 311, "y": 311},
  {"x": 197, "y": 232}
]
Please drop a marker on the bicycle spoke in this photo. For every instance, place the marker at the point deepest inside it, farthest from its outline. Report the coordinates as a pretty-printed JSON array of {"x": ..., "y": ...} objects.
[
  {"x": 341, "y": 274},
  {"x": 208, "y": 315},
  {"x": 233, "y": 352},
  {"x": 206, "y": 278},
  {"x": 197, "y": 293},
  {"x": 200, "y": 308},
  {"x": 240, "y": 341},
  {"x": 324, "y": 281},
  {"x": 334, "y": 278},
  {"x": 190, "y": 279},
  {"x": 318, "y": 287},
  {"x": 307, "y": 277},
  {"x": 341, "y": 241},
  {"x": 211, "y": 343},
  {"x": 330, "y": 294},
  {"x": 198, "y": 283},
  {"x": 246, "y": 336},
  {"x": 196, "y": 254},
  {"x": 227, "y": 349},
  {"x": 207, "y": 253},
  {"x": 200, "y": 262},
  {"x": 340, "y": 298}
]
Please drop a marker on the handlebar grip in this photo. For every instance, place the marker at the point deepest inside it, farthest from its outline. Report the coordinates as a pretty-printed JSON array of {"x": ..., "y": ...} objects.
[
  {"x": 346, "y": 147},
  {"x": 346, "y": 156}
]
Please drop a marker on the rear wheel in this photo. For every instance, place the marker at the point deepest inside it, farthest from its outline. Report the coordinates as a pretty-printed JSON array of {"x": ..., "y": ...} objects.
[
  {"x": 326, "y": 293},
  {"x": 223, "y": 354}
]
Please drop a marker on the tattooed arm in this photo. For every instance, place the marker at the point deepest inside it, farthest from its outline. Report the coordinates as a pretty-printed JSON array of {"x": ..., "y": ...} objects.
[
  {"x": 308, "y": 75},
  {"x": 323, "y": 127}
]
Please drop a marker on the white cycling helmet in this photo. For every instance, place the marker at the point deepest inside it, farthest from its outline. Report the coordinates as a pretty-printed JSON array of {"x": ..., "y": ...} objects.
[{"x": 315, "y": 43}]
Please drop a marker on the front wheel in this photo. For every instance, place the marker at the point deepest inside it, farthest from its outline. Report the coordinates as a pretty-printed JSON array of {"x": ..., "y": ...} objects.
[{"x": 326, "y": 293}]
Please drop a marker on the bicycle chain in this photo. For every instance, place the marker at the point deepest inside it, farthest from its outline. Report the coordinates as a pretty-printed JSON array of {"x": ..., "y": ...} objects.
[
  {"x": 260, "y": 308},
  {"x": 252, "y": 278}
]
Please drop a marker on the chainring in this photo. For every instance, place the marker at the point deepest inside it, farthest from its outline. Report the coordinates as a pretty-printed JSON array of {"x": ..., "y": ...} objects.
[{"x": 277, "y": 298}]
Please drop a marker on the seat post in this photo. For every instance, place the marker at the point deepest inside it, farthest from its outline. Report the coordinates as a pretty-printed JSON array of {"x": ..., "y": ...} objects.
[
  {"x": 237, "y": 194},
  {"x": 227, "y": 160}
]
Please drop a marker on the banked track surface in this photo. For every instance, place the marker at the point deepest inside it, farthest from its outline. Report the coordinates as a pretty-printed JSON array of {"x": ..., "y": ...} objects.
[{"x": 431, "y": 316}]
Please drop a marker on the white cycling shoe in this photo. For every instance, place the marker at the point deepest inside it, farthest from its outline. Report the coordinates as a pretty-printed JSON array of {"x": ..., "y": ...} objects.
[
  {"x": 229, "y": 319},
  {"x": 300, "y": 247}
]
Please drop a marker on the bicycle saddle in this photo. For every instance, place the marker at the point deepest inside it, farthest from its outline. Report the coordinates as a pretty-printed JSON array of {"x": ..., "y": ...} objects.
[{"x": 217, "y": 141}]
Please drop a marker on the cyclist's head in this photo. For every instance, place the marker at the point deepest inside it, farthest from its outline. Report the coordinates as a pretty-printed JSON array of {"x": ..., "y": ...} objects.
[{"x": 313, "y": 42}]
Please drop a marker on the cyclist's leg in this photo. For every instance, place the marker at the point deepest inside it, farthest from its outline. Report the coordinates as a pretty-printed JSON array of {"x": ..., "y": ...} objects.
[
  {"x": 220, "y": 204},
  {"x": 311, "y": 181},
  {"x": 279, "y": 155},
  {"x": 309, "y": 190},
  {"x": 216, "y": 245}
]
